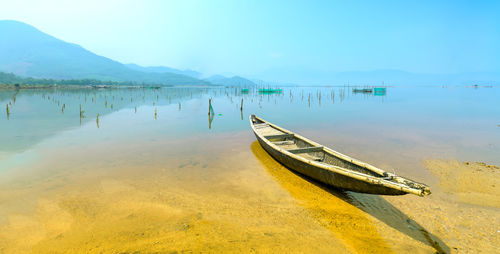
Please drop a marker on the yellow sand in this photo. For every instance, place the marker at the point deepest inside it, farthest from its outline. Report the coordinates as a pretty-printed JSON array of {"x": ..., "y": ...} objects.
[
  {"x": 154, "y": 207},
  {"x": 463, "y": 208},
  {"x": 469, "y": 182},
  {"x": 113, "y": 198}
]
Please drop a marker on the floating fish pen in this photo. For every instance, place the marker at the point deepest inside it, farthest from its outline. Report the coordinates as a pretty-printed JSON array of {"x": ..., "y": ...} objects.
[
  {"x": 379, "y": 91},
  {"x": 270, "y": 91}
]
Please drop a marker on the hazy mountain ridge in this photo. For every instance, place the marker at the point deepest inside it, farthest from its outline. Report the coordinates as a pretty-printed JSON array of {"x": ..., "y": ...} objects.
[
  {"x": 164, "y": 69},
  {"x": 29, "y": 52},
  {"x": 232, "y": 81}
]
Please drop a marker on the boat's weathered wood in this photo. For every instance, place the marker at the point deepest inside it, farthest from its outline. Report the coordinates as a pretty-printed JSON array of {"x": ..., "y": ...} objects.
[
  {"x": 279, "y": 136},
  {"x": 306, "y": 150},
  {"x": 333, "y": 168},
  {"x": 285, "y": 142},
  {"x": 263, "y": 125}
]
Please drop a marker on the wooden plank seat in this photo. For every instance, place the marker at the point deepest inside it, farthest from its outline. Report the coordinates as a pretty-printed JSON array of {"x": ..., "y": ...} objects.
[
  {"x": 261, "y": 125},
  {"x": 278, "y": 136},
  {"x": 285, "y": 142},
  {"x": 306, "y": 150}
]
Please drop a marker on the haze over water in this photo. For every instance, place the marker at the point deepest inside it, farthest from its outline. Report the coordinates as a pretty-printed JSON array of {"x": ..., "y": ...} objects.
[{"x": 180, "y": 177}]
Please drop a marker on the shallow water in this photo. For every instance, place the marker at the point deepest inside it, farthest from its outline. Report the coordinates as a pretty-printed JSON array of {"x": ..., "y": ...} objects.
[{"x": 179, "y": 180}]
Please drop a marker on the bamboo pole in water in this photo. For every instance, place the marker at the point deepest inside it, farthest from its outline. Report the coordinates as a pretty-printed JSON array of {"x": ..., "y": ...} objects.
[{"x": 241, "y": 108}]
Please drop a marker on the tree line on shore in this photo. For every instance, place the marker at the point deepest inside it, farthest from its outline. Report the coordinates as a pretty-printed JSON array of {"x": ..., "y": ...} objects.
[{"x": 12, "y": 80}]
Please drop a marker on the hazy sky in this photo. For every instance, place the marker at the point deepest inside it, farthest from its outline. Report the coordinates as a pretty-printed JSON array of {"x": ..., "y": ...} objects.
[{"x": 248, "y": 37}]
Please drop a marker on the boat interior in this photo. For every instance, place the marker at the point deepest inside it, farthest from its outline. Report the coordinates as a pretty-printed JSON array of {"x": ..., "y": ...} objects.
[{"x": 300, "y": 147}]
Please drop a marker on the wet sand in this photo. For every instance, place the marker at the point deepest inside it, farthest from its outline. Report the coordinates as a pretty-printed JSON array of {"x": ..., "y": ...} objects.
[
  {"x": 475, "y": 183},
  {"x": 224, "y": 193},
  {"x": 192, "y": 204},
  {"x": 463, "y": 208}
]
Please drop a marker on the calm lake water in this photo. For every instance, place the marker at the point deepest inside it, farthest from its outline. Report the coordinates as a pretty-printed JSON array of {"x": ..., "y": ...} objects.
[{"x": 155, "y": 172}]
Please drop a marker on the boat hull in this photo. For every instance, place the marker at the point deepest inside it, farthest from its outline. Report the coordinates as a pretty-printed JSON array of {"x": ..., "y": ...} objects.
[{"x": 326, "y": 176}]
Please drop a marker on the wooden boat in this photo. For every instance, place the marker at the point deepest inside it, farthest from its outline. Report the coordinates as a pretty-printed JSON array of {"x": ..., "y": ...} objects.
[{"x": 328, "y": 166}]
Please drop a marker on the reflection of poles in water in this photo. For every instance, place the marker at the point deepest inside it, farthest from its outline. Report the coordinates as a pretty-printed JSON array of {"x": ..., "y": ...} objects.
[
  {"x": 210, "y": 119},
  {"x": 333, "y": 97},
  {"x": 135, "y": 109},
  {"x": 82, "y": 114},
  {"x": 8, "y": 112},
  {"x": 342, "y": 94},
  {"x": 309, "y": 100},
  {"x": 210, "y": 113},
  {"x": 156, "y": 113},
  {"x": 241, "y": 113},
  {"x": 15, "y": 96},
  {"x": 179, "y": 106},
  {"x": 97, "y": 120}
]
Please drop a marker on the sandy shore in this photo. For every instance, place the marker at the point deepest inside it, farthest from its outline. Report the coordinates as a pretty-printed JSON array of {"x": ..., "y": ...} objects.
[
  {"x": 108, "y": 199},
  {"x": 464, "y": 207}
]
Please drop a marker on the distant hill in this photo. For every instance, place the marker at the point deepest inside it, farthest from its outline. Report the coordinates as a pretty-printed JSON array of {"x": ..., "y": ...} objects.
[
  {"x": 164, "y": 69},
  {"x": 28, "y": 52},
  {"x": 233, "y": 81}
]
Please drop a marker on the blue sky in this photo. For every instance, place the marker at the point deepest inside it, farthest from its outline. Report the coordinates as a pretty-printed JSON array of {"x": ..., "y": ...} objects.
[{"x": 251, "y": 37}]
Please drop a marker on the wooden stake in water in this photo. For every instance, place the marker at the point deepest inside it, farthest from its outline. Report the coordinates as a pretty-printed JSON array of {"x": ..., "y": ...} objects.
[
  {"x": 97, "y": 120},
  {"x": 209, "y": 105},
  {"x": 156, "y": 113},
  {"x": 241, "y": 108}
]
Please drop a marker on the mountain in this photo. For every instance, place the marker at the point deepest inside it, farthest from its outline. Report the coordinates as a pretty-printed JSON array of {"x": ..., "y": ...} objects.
[
  {"x": 304, "y": 76},
  {"x": 28, "y": 52},
  {"x": 164, "y": 69},
  {"x": 233, "y": 81}
]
